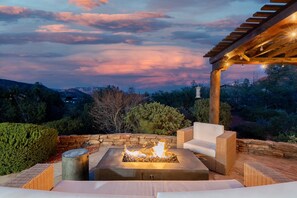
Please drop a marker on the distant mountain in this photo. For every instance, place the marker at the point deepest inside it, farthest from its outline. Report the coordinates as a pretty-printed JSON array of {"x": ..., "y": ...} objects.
[
  {"x": 73, "y": 95},
  {"x": 89, "y": 90},
  {"x": 9, "y": 84}
]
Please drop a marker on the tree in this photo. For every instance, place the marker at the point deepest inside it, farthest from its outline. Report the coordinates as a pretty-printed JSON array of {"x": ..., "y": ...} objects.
[
  {"x": 110, "y": 107},
  {"x": 156, "y": 118},
  {"x": 201, "y": 112}
]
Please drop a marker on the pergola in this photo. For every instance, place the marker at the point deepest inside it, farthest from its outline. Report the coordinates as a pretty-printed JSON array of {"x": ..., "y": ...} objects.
[{"x": 269, "y": 37}]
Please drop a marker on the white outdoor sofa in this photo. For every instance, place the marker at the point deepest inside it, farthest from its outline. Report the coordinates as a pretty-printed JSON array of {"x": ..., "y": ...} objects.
[{"x": 288, "y": 190}]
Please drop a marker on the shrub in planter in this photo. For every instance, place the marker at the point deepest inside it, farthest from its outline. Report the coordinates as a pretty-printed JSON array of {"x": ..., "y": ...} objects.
[
  {"x": 24, "y": 145},
  {"x": 156, "y": 118}
]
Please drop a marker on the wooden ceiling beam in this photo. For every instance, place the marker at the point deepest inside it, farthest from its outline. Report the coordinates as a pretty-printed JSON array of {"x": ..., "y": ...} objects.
[
  {"x": 255, "y": 20},
  {"x": 245, "y": 29},
  {"x": 271, "y": 7},
  {"x": 269, "y": 27},
  {"x": 266, "y": 61},
  {"x": 249, "y": 25},
  {"x": 280, "y": 1},
  {"x": 263, "y": 14}
]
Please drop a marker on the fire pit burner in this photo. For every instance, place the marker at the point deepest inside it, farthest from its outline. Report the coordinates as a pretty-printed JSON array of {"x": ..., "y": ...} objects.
[{"x": 158, "y": 153}]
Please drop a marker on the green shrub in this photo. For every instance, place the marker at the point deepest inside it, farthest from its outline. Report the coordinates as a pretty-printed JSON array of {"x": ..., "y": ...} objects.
[
  {"x": 155, "y": 118},
  {"x": 24, "y": 145},
  {"x": 67, "y": 126},
  {"x": 201, "y": 112}
]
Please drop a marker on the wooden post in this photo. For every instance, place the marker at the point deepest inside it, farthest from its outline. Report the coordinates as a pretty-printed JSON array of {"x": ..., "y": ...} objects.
[{"x": 214, "y": 102}]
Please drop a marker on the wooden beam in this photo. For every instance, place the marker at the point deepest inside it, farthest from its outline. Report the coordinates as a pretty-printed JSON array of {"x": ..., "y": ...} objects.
[
  {"x": 249, "y": 25},
  {"x": 267, "y": 61},
  {"x": 263, "y": 14},
  {"x": 241, "y": 29},
  {"x": 214, "y": 97},
  {"x": 283, "y": 14},
  {"x": 271, "y": 7},
  {"x": 255, "y": 20},
  {"x": 280, "y": 1}
]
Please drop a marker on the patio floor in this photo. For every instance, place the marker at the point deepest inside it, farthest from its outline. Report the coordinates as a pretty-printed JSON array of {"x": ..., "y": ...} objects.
[{"x": 287, "y": 167}]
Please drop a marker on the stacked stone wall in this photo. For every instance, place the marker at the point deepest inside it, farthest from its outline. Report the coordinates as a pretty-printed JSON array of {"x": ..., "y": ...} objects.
[{"x": 257, "y": 147}]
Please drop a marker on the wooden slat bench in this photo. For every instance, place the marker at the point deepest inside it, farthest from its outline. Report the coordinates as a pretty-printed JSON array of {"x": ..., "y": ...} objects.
[
  {"x": 257, "y": 174},
  {"x": 38, "y": 177}
]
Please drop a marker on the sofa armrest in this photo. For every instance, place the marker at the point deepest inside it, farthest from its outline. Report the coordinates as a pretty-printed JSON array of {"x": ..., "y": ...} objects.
[
  {"x": 184, "y": 135},
  {"x": 225, "y": 151}
]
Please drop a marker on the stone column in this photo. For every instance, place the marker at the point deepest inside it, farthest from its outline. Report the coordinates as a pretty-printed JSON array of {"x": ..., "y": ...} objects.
[{"x": 214, "y": 102}]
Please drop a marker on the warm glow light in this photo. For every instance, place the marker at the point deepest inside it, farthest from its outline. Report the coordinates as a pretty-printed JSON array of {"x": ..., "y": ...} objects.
[
  {"x": 264, "y": 66},
  {"x": 293, "y": 34},
  {"x": 156, "y": 151}
]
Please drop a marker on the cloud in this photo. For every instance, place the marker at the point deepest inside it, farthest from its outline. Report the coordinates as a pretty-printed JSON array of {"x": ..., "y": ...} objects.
[
  {"x": 132, "y": 22},
  {"x": 9, "y": 13},
  {"x": 203, "y": 6},
  {"x": 88, "y": 4},
  {"x": 127, "y": 60},
  {"x": 30, "y": 55},
  {"x": 56, "y": 28},
  {"x": 195, "y": 37},
  {"x": 228, "y": 24},
  {"x": 67, "y": 38}
]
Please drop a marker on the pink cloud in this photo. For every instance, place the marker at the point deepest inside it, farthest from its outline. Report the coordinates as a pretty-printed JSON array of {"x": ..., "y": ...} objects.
[
  {"x": 56, "y": 28},
  {"x": 12, "y": 10},
  {"x": 124, "y": 60},
  {"x": 132, "y": 22},
  {"x": 224, "y": 23},
  {"x": 150, "y": 66},
  {"x": 88, "y": 4}
]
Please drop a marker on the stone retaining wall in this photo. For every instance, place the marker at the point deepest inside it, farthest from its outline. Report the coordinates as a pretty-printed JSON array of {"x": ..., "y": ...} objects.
[
  {"x": 258, "y": 147},
  {"x": 130, "y": 140}
]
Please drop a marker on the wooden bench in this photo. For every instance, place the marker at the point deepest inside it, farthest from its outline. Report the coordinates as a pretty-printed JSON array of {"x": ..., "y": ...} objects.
[
  {"x": 38, "y": 177},
  {"x": 257, "y": 174}
]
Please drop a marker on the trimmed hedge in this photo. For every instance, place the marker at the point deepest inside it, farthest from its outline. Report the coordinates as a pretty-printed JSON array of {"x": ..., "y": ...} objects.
[{"x": 24, "y": 145}]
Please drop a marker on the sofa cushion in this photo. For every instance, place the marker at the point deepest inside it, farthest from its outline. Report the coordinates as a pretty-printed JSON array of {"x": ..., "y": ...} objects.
[
  {"x": 203, "y": 147},
  {"x": 207, "y": 132},
  {"x": 287, "y": 190},
  {"x": 141, "y": 188}
]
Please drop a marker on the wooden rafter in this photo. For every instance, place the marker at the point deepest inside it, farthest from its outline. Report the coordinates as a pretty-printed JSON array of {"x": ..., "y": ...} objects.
[{"x": 261, "y": 36}]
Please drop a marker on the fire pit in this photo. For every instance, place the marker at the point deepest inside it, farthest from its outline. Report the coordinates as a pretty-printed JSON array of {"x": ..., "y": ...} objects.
[
  {"x": 171, "y": 164},
  {"x": 158, "y": 153}
]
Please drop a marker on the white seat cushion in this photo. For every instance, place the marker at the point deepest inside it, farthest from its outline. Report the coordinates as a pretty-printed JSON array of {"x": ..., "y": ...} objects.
[
  {"x": 207, "y": 132},
  {"x": 203, "y": 147}
]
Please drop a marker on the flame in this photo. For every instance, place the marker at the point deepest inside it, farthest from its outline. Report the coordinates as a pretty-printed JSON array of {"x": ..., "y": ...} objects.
[
  {"x": 159, "y": 150},
  {"x": 135, "y": 153},
  {"x": 156, "y": 151}
]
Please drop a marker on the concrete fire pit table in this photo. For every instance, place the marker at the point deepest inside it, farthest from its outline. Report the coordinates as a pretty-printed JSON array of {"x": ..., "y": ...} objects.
[{"x": 112, "y": 167}]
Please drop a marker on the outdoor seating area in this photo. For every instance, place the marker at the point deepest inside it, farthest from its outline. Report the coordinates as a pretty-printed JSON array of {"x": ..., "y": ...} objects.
[
  {"x": 204, "y": 160},
  {"x": 255, "y": 175}
]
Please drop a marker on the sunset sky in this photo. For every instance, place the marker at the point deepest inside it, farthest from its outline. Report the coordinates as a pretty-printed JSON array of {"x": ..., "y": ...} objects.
[{"x": 147, "y": 44}]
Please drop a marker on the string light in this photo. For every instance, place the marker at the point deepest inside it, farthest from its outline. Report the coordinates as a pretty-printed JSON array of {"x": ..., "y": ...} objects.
[{"x": 261, "y": 48}]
